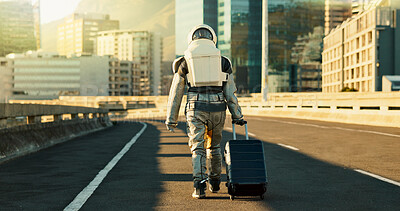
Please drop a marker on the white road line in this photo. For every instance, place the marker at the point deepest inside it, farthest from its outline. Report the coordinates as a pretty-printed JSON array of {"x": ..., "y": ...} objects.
[
  {"x": 252, "y": 134},
  {"x": 289, "y": 147},
  {"x": 378, "y": 177},
  {"x": 339, "y": 128},
  {"x": 368, "y": 131},
  {"x": 84, "y": 195},
  {"x": 297, "y": 123}
]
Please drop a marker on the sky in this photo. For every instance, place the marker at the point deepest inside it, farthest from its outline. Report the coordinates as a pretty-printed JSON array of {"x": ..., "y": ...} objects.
[{"x": 51, "y": 10}]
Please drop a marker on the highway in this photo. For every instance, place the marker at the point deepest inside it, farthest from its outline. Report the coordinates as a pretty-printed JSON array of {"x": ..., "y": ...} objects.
[{"x": 312, "y": 165}]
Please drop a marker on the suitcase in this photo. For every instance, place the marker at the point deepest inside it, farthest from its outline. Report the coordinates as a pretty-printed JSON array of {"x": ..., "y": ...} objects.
[{"x": 245, "y": 167}]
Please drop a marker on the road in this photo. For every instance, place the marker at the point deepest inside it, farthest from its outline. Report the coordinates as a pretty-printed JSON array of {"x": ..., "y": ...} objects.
[{"x": 311, "y": 166}]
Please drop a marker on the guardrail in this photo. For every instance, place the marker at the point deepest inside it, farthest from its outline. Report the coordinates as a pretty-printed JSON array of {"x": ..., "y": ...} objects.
[
  {"x": 335, "y": 101},
  {"x": 377, "y": 108},
  {"x": 21, "y": 114}
]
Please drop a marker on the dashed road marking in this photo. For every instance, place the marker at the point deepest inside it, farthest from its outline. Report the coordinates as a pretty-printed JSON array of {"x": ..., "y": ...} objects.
[
  {"x": 84, "y": 195},
  {"x": 378, "y": 177},
  {"x": 289, "y": 147}
]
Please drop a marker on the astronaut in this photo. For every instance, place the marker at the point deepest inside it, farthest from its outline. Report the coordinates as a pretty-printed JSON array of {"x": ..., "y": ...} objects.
[{"x": 210, "y": 90}]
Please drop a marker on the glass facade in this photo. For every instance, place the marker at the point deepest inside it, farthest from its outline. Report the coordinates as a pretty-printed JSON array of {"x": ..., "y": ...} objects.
[
  {"x": 16, "y": 27},
  {"x": 240, "y": 31},
  {"x": 288, "y": 21},
  {"x": 189, "y": 14}
]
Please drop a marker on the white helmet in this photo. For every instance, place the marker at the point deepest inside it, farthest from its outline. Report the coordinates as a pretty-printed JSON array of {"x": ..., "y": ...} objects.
[{"x": 202, "y": 31}]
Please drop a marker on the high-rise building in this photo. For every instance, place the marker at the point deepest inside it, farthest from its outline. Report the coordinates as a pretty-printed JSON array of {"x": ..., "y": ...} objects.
[
  {"x": 239, "y": 38},
  {"x": 17, "y": 33},
  {"x": 188, "y": 14},
  {"x": 36, "y": 16},
  {"x": 287, "y": 20},
  {"x": 141, "y": 47},
  {"x": 360, "y": 5},
  {"x": 362, "y": 50},
  {"x": 336, "y": 11},
  {"x": 77, "y": 35},
  {"x": 124, "y": 78},
  {"x": 38, "y": 75}
]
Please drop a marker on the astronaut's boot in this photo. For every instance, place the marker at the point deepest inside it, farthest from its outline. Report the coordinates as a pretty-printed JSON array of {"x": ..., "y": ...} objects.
[
  {"x": 214, "y": 185},
  {"x": 199, "y": 189}
]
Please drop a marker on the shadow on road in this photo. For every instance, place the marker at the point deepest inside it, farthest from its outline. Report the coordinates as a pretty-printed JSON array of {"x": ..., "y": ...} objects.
[{"x": 300, "y": 182}]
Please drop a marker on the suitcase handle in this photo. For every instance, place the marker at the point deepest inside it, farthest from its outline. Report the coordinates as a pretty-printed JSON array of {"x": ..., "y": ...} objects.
[{"x": 234, "y": 131}]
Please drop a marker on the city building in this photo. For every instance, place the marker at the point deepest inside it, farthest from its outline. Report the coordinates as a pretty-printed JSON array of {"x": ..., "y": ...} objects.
[
  {"x": 239, "y": 39},
  {"x": 336, "y": 12},
  {"x": 359, "y": 52},
  {"x": 38, "y": 75},
  {"x": 77, "y": 35},
  {"x": 189, "y": 14},
  {"x": 141, "y": 47},
  {"x": 305, "y": 71},
  {"x": 17, "y": 27},
  {"x": 287, "y": 21},
  {"x": 36, "y": 16},
  {"x": 166, "y": 77},
  {"x": 357, "y": 6},
  {"x": 124, "y": 78}
]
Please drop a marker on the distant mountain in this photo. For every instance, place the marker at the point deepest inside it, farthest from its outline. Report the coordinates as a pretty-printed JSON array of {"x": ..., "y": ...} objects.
[{"x": 152, "y": 15}]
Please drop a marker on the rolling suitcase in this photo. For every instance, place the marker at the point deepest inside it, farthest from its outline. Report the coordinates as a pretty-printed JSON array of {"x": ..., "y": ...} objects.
[{"x": 245, "y": 167}]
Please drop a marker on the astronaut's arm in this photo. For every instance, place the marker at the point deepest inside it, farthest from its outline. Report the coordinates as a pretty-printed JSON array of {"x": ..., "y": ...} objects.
[
  {"x": 231, "y": 100},
  {"x": 176, "y": 93}
]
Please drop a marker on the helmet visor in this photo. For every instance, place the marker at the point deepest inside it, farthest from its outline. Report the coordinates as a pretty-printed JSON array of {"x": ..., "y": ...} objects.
[{"x": 202, "y": 34}]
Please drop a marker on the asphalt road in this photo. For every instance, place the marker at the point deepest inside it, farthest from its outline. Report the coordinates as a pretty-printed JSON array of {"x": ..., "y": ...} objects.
[{"x": 311, "y": 166}]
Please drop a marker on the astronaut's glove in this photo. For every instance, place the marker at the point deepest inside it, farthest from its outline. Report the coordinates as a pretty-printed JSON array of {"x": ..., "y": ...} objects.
[
  {"x": 240, "y": 121},
  {"x": 171, "y": 127}
]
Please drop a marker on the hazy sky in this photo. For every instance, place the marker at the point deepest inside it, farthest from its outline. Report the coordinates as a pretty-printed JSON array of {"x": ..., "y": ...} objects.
[{"x": 51, "y": 10}]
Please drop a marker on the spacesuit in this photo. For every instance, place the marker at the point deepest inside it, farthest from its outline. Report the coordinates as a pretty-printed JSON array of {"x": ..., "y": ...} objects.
[{"x": 211, "y": 90}]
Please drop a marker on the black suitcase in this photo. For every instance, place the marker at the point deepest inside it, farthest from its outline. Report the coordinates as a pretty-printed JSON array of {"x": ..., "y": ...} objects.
[{"x": 245, "y": 167}]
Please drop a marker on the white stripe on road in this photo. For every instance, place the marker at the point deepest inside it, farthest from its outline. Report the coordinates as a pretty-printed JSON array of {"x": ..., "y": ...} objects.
[
  {"x": 297, "y": 123},
  {"x": 84, "y": 195},
  {"x": 289, "y": 147},
  {"x": 368, "y": 131},
  {"x": 252, "y": 134},
  {"x": 378, "y": 177},
  {"x": 339, "y": 128}
]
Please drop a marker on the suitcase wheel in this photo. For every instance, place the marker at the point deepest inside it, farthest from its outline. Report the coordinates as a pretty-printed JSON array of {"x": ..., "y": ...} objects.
[
  {"x": 232, "y": 197},
  {"x": 262, "y": 197}
]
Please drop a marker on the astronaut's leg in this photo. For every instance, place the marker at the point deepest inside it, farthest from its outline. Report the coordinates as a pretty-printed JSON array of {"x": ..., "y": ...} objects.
[
  {"x": 214, "y": 156},
  {"x": 196, "y": 129}
]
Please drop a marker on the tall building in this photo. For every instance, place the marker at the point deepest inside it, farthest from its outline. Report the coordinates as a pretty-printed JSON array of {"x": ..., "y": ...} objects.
[
  {"x": 77, "y": 35},
  {"x": 239, "y": 38},
  {"x": 189, "y": 14},
  {"x": 360, "y": 5},
  {"x": 287, "y": 20},
  {"x": 141, "y": 47},
  {"x": 38, "y": 75},
  {"x": 124, "y": 78},
  {"x": 17, "y": 33},
  {"x": 36, "y": 16},
  {"x": 362, "y": 50},
  {"x": 336, "y": 11}
]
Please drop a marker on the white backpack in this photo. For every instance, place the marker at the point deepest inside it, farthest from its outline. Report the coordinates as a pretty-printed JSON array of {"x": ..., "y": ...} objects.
[{"x": 204, "y": 64}]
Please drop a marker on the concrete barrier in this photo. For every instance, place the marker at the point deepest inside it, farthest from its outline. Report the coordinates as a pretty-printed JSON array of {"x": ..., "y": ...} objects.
[
  {"x": 376, "y": 108},
  {"x": 23, "y": 130}
]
